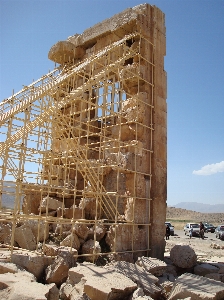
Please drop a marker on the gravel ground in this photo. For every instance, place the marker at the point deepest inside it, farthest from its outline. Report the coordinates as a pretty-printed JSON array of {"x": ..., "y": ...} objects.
[{"x": 202, "y": 248}]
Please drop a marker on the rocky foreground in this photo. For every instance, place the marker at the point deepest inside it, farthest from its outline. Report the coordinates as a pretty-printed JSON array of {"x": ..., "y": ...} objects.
[{"x": 59, "y": 276}]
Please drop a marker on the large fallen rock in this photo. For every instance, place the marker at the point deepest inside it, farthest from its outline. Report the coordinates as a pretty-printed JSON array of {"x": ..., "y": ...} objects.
[
  {"x": 71, "y": 240},
  {"x": 215, "y": 276},
  {"x": 100, "y": 231},
  {"x": 98, "y": 283},
  {"x": 5, "y": 233},
  {"x": 49, "y": 204},
  {"x": 196, "y": 287},
  {"x": 7, "y": 267},
  {"x": 58, "y": 271},
  {"x": 153, "y": 265},
  {"x": 24, "y": 237},
  {"x": 91, "y": 249},
  {"x": 183, "y": 256},
  {"x": 204, "y": 269},
  {"x": 33, "y": 263},
  {"x": 23, "y": 286},
  {"x": 40, "y": 229},
  {"x": 144, "y": 279},
  {"x": 81, "y": 230}
]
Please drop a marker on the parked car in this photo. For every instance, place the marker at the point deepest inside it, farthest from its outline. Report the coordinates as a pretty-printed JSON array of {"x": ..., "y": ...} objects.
[
  {"x": 195, "y": 226},
  {"x": 209, "y": 227},
  {"x": 171, "y": 227},
  {"x": 219, "y": 232}
]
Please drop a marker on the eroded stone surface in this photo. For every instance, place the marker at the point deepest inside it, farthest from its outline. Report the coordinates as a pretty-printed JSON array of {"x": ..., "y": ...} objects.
[
  {"x": 20, "y": 286},
  {"x": 24, "y": 237},
  {"x": 204, "y": 269},
  {"x": 100, "y": 283},
  {"x": 32, "y": 262},
  {"x": 92, "y": 248},
  {"x": 71, "y": 240},
  {"x": 139, "y": 275},
  {"x": 183, "y": 256},
  {"x": 196, "y": 287},
  {"x": 152, "y": 265}
]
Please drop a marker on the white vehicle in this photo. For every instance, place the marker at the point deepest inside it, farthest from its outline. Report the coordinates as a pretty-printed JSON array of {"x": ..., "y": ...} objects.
[
  {"x": 171, "y": 227},
  {"x": 195, "y": 226}
]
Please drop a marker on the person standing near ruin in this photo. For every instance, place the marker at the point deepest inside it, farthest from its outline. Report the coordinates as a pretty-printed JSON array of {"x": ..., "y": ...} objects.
[
  {"x": 167, "y": 232},
  {"x": 191, "y": 232},
  {"x": 201, "y": 233}
]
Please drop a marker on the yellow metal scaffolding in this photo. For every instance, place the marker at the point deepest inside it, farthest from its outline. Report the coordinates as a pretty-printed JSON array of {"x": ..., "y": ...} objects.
[{"x": 65, "y": 133}]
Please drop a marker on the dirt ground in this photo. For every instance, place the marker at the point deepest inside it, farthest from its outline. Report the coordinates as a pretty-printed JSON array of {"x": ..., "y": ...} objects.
[{"x": 201, "y": 247}]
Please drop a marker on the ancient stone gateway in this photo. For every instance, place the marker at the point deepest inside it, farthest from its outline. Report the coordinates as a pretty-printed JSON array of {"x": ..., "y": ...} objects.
[{"x": 84, "y": 151}]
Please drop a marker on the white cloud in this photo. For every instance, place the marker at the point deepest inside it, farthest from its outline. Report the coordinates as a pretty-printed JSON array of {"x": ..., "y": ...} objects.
[{"x": 210, "y": 169}]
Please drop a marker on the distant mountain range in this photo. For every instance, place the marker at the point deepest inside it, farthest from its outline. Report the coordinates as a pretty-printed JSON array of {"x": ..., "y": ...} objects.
[{"x": 201, "y": 207}]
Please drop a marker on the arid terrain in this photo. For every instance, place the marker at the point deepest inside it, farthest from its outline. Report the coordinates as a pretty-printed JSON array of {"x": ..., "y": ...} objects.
[
  {"x": 209, "y": 249},
  {"x": 179, "y": 217}
]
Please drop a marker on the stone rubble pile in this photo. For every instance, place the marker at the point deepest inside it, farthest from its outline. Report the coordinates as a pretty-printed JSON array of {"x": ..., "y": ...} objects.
[
  {"x": 216, "y": 246},
  {"x": 57, "y": 275}
]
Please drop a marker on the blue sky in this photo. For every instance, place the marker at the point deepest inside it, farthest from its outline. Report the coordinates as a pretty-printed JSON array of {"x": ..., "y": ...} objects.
[{"x": 194, "y": 63}]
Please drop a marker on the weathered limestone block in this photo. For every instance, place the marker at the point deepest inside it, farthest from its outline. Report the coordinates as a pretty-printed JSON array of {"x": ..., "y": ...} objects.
[
  {"x": 21, "y": 286},
  {"x": 204, "y": 269},
  {"x": 52, "y": 213},
  {"x": 67, "y": 291},
  {"x": 40, "y": 229},
  {"x": 63, "y": 229},
  {"x": 125, "y": 132},
  {"x": 98, "y": 283},
  {"x": 32, "y": 199},
  {"x": 24, "y": 238},
  {"x": 89, "y": 205},
  {"x": 71, "y": 240},
  {"x": 124, "y": 236},
  {"x": 32, "y": 263},
  {"x": 137, "y": 293},
  {"x": 81, "y": 230},
  {"x": 118, "y": 21},
  {"x": 100, "y": 231},
  {"x": 111, "y": 184},
  {"x": 138, "y": 182},
  {"x": 70, "y": 213},
  {"x": 69, "y": 255},
  {"x": 126, "y": 256},
  {"x": 183, "y": 256},
  {"x": 167, "y": 287},
  {"x": 135, "y": 109},
  {"x": 5, "y": 233},
  {"x": 171, "y": 269},
  {"x": 129, "y": 210},
  {"x": 137, "y": 210},
  {"x": 92, "y": 248},
  {"x": 31, "y": 202},
  {"x": 58, "y": 271},
  {"x": 140, "y": 276},
  {"x": 196, "y": 287},
  {"x": 153, "y": 265},
  {"x": 6, "y": 267},
  {"x": 62, "y": 52},
  {"x": 65, "y": 193},
  {"x": 49, "y": 204},
  {"x": 118, "y": 159},
  {"x": 215, "y": 276},
  {"x": 50, "y": 250}
]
